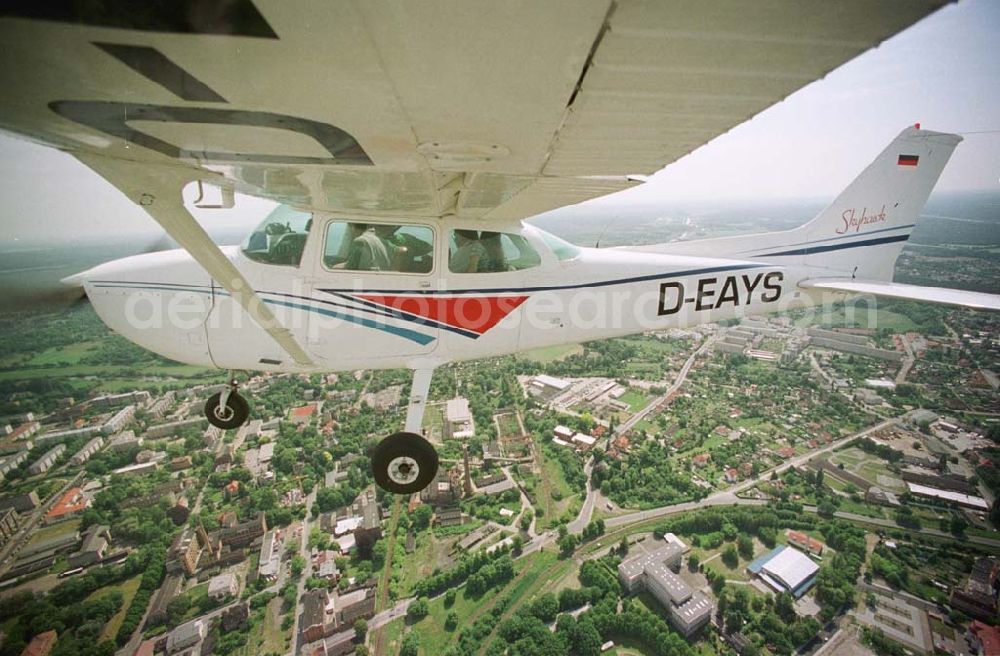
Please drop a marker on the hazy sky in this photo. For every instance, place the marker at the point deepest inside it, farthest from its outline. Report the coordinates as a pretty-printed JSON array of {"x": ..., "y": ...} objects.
[{"x": 942, "y": 72}]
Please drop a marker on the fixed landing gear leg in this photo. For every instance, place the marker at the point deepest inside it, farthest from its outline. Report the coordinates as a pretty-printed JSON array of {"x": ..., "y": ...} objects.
[
  {"x": 227, "y": 409},
  {"x": 405, "y": 462}
]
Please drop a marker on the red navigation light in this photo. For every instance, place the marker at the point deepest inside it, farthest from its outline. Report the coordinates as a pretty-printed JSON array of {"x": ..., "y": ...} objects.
[{"x": 916, "y": 125}]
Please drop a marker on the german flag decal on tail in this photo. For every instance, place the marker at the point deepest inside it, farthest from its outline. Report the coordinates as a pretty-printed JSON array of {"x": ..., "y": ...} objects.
[{"x": 908, "y": 160}]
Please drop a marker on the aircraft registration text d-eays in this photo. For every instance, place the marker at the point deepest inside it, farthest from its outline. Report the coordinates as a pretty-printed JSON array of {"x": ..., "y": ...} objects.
[{"x": 709, "y": 295}]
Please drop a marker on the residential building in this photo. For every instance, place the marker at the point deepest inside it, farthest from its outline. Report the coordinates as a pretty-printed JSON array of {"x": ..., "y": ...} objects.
[
  {"x": 303, "y": 415},
  {"x": 137, "y": 469},
  {"x": 124, "y": 441},
  {"x": 47, "y": 460},
  {"x": 352, "y": 606},
  {"x": 314, "y": 621},
  {"x": 164, "y": 595},
  {"x": 21, "y": 502},
  {"x": 978, "y": 597},
  {"x": 185, "y": 636},
  {"x": 184, "y": 553},
  {"x": 242, "y": 535},
  {"x": 41, "y": 644},
  {"x": 803, "y": 541},
  {"x": 983, "y": 638},
  {"x": 222, "y": 586},
  {"x": 8, "y": 524},
  {"x": 89, "y": 449},
  {"x": 180, "y": 463},
  {"x": 119, "y": 420},
  {"x": 11, "y": 462},
  {"x": 171, "y": 428},
  {"x": 236, "y": 617}
]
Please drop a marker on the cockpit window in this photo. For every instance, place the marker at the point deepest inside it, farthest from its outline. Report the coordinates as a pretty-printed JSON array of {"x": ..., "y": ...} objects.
[
  {"x": 379, "y": 247},
  {"x": 474, "y": 251},
  {"x": 563, "y": 250},
  {"x": 280, "y": 238}
]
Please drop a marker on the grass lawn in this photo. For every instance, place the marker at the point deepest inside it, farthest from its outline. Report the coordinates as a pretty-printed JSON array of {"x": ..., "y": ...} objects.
[
  {"x": 419, "y": 564},
  {"x": 635, "y": 400},
  {"x": 552, "y": 353},
  {"x": 70, "y": 354},
  {"x": 54, "y": 531},
  {"x": 434, "y": 421},
  {"x": 274, "y": 638},
  {"x": 128, "y": 590},
  {"x": 555, "y": 484},
  {"x": 533, "y": 573}
]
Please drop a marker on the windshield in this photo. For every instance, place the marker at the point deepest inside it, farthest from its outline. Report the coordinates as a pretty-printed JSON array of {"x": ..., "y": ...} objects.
[
  {"x": 562, "y": 249},
  {"x": 280, "y": 238}
]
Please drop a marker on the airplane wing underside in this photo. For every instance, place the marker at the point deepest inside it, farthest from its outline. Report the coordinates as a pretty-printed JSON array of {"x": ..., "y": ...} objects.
[
  {"x": 499, "y": 110},
  {"x": 974, "y": 300}
]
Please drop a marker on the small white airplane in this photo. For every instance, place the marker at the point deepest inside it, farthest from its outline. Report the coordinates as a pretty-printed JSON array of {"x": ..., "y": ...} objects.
[{"x": 400, "y": 241}]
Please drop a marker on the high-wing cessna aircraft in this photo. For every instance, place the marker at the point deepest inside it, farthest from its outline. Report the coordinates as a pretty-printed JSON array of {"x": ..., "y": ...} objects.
[{"x": 406, "y": 141}]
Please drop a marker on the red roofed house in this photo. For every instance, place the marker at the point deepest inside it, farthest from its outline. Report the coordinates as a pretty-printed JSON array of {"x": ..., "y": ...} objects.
[
  {"x": 985, "y": 639},
  {"x": 786, "y": 452},
  {"x": 746, "y": 470},
  {"x": 701, "y": 459},
  {"x": 804, "y": 541},
  {"x": 72, "y": 502},
  {"x": 233, "y": 486},
  {"x": 304, "y": 414},
  {"x": 732, "y": 475},
  {"x": 41, "y": 644},
  {"x": 722, "y": 430}
]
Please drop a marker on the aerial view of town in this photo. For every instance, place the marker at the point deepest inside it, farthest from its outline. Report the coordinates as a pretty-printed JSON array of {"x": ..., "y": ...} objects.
[{"x": 811, "y": 483}]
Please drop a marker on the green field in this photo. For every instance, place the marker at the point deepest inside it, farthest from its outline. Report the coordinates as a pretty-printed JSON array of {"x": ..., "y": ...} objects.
[
  {"x": 54, "y": 531},
  {"x": 70, "y": 354},
  {"x": 128, "y": 590},
  {"x": 552, "y": 353},
  {"x": 533, "y": 574},
  {"x": 635, "y": 400}
]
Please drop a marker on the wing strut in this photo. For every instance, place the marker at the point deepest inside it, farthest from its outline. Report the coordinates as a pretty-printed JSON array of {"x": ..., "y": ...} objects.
[
  {"x": 418, "y": 399},
  {"x": 158, "y": 190}
]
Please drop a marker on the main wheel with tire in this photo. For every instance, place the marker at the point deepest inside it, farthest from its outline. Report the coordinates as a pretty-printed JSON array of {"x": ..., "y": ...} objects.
[
  {"x": 233, "y": 415},
  {"x": 404, "y": 463}
]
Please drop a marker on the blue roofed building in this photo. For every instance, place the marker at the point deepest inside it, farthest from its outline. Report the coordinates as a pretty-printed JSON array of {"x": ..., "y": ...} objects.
[{"x": 785, "y": 569}]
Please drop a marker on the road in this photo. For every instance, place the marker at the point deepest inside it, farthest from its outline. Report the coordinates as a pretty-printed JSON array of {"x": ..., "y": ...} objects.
[
  {"x": 728, "y": 496},
  {"x": 304, "y": 552},
  {"x": 678, "y": 381},
  {"x": 589, "y": 500}
]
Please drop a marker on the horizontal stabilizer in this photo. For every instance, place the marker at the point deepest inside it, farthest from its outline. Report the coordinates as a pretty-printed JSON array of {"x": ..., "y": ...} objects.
[{"x": 975, "y": 300}]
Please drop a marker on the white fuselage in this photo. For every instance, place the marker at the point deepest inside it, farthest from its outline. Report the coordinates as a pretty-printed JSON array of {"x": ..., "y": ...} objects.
[{"x": 345, "y": 320}]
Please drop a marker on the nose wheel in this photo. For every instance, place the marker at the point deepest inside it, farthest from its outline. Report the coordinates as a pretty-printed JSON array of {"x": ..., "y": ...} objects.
[
  {"x": 404, "y": 463},
  {"x": 227, "y": 409}
]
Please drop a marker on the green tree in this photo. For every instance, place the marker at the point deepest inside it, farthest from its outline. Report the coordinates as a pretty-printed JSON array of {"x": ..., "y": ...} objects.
[
  {"x": 418, "y": 610},
  {"x": 730, "y": 557},
  {"x": 745, "y": 546},
  {"x": 411, "y": 645},
  {"x": 451, "y": 621},
  {"x": 422, "y": 517},
  {"x": 360, "y": 630}
]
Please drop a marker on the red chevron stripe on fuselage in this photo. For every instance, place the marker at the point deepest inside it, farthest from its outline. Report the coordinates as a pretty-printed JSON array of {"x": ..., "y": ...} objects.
[{"x": 474, "y": 313}]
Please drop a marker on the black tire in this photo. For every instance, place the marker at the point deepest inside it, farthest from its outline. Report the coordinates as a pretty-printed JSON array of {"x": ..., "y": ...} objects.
[
  {"x": 393, "y": 461},
  {"x": 233, "y": 415}
]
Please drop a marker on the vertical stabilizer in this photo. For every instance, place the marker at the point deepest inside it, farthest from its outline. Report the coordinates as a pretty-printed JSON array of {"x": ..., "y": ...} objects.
[{"x": 863, "y": 231}]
